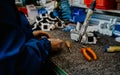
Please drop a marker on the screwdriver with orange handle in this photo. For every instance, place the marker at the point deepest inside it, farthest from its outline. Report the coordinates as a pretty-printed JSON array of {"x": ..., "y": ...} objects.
[{"x": 68, "y": 45}]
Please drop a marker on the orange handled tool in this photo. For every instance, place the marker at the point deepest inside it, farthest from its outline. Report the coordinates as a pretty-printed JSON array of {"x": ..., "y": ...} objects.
[
  {"x": 68, "y": 45},
  {"x": 91, "y": 52}
]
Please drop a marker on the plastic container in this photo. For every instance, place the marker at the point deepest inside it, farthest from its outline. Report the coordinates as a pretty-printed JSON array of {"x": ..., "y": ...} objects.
[
  {"x": 102, "y": 4},
  {"x": 78, "y": 14},
  {"x": 116, "y": 30}
]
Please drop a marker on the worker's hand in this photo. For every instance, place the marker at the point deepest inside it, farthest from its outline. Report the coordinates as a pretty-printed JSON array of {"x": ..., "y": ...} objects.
[
  {"x": 38, "y": 34},
  {"x": 56, "y": 44}
]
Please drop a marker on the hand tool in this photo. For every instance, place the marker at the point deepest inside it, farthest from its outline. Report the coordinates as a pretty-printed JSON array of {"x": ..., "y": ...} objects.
[
  {"x": 81, "y": 34},
  {"x": 88, "y": 17},
  {"x": 68, "y": 45},
  {"x": 112, "y": 48},
  {"x": 86, "y": 50}
]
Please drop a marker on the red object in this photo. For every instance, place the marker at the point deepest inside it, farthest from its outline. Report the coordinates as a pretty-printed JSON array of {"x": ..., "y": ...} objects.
[
  {"x": 24, "y": 10},
  {"x": 102, "y": 4}
]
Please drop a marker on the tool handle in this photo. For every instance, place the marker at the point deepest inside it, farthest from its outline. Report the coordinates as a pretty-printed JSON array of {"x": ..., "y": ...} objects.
[
  {"x": 83, "y": 50},
  {"x": 67, "y": 44},
  {"x": 92, "y": 53},
  {"x": 112, "y": 48}
]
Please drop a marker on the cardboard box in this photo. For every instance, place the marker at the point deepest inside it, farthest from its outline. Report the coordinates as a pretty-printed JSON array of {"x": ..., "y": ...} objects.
[
  {"x": 117, "y": 0},
  {"x": 118, "y": 6},
  {"x": 32, "y": 11}
]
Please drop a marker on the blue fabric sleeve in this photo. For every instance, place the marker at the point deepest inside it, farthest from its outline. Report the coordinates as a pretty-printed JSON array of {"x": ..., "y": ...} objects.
[
  {"x": 20, "y": 52},
  {"x": 32, "y": 56}
]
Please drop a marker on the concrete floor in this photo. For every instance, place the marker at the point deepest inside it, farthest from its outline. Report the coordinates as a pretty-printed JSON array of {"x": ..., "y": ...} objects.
[{"x": 74, "y": 63}]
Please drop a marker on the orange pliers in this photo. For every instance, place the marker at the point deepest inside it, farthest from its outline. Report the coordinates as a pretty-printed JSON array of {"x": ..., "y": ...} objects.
[{"x": 85, "y": 51}]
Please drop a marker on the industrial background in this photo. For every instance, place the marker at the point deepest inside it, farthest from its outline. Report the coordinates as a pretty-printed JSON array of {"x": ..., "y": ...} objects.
[{"x": 71, "y": 19}]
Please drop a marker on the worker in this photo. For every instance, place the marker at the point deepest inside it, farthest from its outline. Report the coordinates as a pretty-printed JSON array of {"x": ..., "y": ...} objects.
[{"x": 22, "y": 51}]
